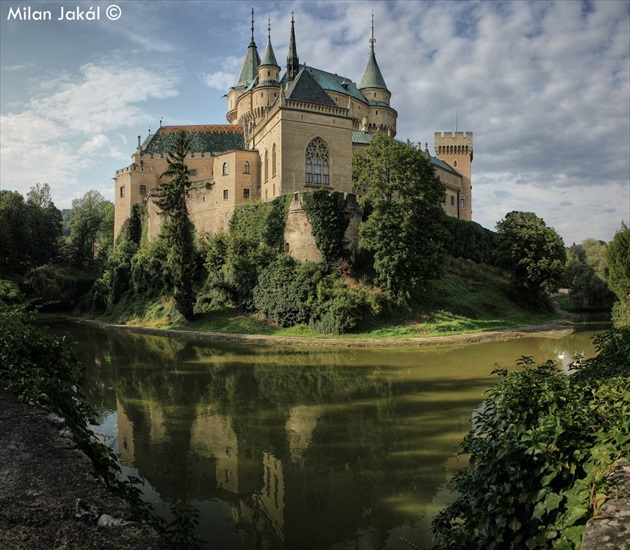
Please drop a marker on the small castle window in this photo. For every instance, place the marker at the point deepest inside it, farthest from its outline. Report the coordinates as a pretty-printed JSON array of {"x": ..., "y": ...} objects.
[
  {"x": 246, "y": 193},
  {"x": 226, "y": 169},
  {"x": 143, "y": 190},
  {"x": 462, "y": 203},
  {"x": 248, "y": 168},
  {"x": 193, "y": 172},
  {"x": 452, "y": 200},
  {"x": 266, "y": 165},
  {"x": 122, "y": 191},
  {"x": 455, "y": 163},
  {"x": 225, "y": 194},
  {"x": 273, "y": 160}
]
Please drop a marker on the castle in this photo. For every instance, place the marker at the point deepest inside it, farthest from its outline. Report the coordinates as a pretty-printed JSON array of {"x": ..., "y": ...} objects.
[{"x": 286, "y": 134}]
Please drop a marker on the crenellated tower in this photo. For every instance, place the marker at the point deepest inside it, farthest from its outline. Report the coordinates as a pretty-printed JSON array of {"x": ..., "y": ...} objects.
[{"x": 456, "y": 149}]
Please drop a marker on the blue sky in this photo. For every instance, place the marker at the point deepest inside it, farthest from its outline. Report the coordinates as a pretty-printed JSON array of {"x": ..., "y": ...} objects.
[{"x": 544, "y": 86}]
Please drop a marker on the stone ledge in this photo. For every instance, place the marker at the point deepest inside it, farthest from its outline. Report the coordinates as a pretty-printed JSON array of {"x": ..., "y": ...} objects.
[{"x": 610, "y": 528}]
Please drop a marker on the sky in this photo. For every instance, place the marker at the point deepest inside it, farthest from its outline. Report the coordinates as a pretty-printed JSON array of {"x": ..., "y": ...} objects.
[{"x": 544, "y": 86}]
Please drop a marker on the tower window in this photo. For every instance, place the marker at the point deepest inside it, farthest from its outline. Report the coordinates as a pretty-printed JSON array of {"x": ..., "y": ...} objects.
[
  {"x": 266, "y": 165},
  {"x": 455, "y": 163},
  {"x": 193, "y": 172},
  {"x": 143, "y": 190},
  {"x": 247, "y": 168},
  {"x": 225, "y": 194},
  {"x": 452, "y": 200},
  {"x": 122, "y": 191},
  {"x": 462, "y": 203},
  {"x": 226, "y": 169},
  {"x": 317, "y": 162},
  {"x": 246, "y": 193},
  {"x": 273, "y": 160}
]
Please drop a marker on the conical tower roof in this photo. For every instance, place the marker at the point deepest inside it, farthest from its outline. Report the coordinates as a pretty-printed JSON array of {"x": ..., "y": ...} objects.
[
  {"x": 269, "y": 58},
  {"x": 249, "y": 69},
  {"x": 372, "y": 77}
]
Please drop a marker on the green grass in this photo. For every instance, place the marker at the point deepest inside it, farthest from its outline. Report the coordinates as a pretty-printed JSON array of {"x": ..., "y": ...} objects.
[{"x": 468, "y": 298}]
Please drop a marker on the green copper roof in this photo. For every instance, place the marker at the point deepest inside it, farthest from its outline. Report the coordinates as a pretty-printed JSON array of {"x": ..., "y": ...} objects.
[
  {"x": 335, "y": 83},
  {"x": 372, "y": 77},
  {"x": 362, "y": 138},
  {"x": 216, "y": 138},
  {"x": 269, "y": 57}
]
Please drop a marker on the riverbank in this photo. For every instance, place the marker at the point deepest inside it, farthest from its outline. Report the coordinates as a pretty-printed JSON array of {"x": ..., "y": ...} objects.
[
  {"x": 50, "y": 495},
  {"x": 556, "y": 328}
]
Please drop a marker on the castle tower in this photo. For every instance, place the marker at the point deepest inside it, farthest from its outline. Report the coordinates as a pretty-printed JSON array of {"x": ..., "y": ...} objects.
[
  {"x": 247, "y": 75},
  {"x": 456, "y": 149},
  {"x": 381, "y": 117}
]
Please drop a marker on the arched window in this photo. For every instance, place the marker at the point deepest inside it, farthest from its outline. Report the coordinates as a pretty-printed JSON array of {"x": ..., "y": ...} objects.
[
  {"x": 462, "y": 203},
  {"x": 273, "y": 160},
  {"x": 247, "y": 167},
  {"x": 266, "y": 165},
  {"x": 317, "y": 163},
  {"x": 226, "y": 170}
]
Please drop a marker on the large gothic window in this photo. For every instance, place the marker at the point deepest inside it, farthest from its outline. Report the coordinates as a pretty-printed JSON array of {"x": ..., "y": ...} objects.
[{"x": 317, "y": 163}]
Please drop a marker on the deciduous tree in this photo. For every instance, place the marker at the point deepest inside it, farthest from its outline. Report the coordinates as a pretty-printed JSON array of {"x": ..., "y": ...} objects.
[
  {"x": 535, "y": 256},
  {"x": 404, "y": 229}
]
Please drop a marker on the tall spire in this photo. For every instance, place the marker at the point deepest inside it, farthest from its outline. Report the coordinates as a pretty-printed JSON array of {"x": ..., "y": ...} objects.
[
  {"x": 293, "y": 62},
  {"x": 249, "y": 69},
  {"x": 268, "y": 57},
  {"x": 372, "y": 77}
]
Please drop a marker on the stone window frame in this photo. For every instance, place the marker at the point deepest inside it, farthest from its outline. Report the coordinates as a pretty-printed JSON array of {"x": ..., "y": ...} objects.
[
  {"x": 317, "y": 162},
  {"x": 226, "y": 169}
]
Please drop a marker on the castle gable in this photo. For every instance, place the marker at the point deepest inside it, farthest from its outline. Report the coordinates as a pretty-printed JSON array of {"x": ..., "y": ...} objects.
[{"x": 215, "y": 138}]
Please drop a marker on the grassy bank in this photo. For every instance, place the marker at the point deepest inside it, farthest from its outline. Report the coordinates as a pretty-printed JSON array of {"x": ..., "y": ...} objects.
[{"x": 468, "y": 298}]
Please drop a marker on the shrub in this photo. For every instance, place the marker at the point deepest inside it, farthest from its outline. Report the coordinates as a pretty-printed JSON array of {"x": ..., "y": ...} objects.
[{"x": 540, "y": 448}]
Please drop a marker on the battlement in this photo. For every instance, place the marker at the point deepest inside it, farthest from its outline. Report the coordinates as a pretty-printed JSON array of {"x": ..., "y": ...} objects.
[
  {"x": 454, "y": 138},
  {"x": 453, "y": 143}
]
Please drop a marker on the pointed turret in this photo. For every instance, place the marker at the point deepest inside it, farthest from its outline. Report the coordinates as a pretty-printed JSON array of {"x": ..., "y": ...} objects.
[
  {"x": 269, "y": 58},
  {"x": 293, "y": 62},
  {"x": 268, "y": 70},
  {"x": 372, "y": 77},
  {"x": 249, "y": 69}
]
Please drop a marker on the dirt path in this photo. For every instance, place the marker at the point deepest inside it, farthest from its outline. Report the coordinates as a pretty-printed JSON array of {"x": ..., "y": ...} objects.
[
  {"x": 557, "y": 328},
  {"x": 50, "y": 496}
]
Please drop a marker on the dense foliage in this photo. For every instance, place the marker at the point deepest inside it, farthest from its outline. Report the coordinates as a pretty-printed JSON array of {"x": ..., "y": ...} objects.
[
  {"x": 619, "y": 275},
  {"x": 586, "y": 274},
  {"x": 469, "y": 240},
  {"x": 30, "y": 231},
  {"x": 91, "y": 224},
  {"x": 177, "y": 230},
  {"x": 534, "y": 254},
  {"x": 540, "y": 449},
  {"x": 327, "y": 213},
  {"x": 404, "y": 230}
]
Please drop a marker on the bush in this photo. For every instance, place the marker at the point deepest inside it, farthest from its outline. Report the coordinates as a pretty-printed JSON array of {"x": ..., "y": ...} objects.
[{"x": 540, "y": 448}]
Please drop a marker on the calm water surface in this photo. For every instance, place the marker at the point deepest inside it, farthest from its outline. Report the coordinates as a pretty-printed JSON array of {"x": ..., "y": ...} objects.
[{"x": 309, "y": 448}]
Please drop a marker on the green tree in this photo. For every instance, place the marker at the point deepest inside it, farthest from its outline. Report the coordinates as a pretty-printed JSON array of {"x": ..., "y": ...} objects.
[
  {"x": 586, "y": 275},
  {"x": 177, "y": 229},
  {"x": 45, "y": 224},
  {"x": 14, "y": 235},
  {"x": 88, "y": 218},
  {"x": 404, "y": 229},
  {"x": 535, "y": 256},
  {"x": 618, "y": 257}
]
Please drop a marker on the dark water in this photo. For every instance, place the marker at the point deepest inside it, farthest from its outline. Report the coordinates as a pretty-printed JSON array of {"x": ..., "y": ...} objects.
[{"x": 309, "y": 448}]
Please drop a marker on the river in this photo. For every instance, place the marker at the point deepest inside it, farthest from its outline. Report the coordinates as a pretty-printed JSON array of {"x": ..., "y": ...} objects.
[{"x": 287, "y": 447}]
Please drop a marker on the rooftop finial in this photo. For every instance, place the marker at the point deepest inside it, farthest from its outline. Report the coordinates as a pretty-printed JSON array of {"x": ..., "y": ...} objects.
[
  {"x": 372, "y": 40},
  {"x": 269, "y": 27},
  {"x": 252, "y": 24}
]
